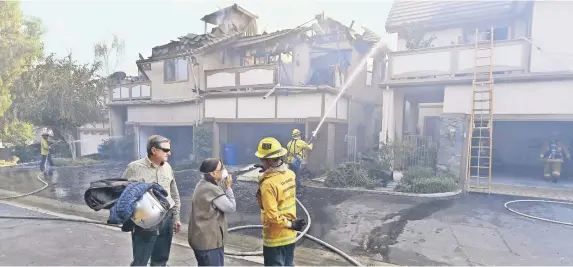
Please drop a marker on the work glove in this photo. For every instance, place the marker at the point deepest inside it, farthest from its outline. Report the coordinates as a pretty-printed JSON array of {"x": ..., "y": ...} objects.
[{"x": 298, "y": 224}]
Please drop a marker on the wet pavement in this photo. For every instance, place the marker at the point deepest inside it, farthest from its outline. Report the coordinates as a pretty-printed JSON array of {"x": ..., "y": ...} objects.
[
  {"x": 473, "y": 229},
  {"x": 51, "y": 243}
]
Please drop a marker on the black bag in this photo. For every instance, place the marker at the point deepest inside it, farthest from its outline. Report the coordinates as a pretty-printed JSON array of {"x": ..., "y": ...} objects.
[{"x": 102, "y": 194}]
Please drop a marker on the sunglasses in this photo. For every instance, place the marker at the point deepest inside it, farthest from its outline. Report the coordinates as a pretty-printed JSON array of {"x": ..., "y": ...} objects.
[{"x": 166, "y": 150}]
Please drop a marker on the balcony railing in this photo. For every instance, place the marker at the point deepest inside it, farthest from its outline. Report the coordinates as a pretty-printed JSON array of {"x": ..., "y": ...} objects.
[
  {"x": 256, "y": 76},
  {"x": 132, "y": 91},
  {"x": 458, "y": 60}
]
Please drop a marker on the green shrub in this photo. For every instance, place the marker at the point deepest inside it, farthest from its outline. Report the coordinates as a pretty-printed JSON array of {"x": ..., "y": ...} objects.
[
  {"x": 203, "y": 141},
  {"x": 423, "y": 180},
  {"x": 119, "y": 148},
  {"x": 348, "y": 174},
  {"x": 27, "y": 153}
]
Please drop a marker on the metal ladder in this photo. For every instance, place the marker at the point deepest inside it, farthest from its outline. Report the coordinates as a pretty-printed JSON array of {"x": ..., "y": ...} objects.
[{"x": 479, "y": 163}]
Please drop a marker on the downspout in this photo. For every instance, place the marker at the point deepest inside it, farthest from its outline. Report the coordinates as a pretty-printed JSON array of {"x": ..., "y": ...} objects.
[{"x": 192, "y": 65}]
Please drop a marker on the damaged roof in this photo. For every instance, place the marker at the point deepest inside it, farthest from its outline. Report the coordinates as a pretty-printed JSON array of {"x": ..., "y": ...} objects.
[
  {"x": 214, "y": 17},
  {"x": 197, "y": 43},
  {"x": 441, "y": 14},
  {"x": 248, "y": 40}
]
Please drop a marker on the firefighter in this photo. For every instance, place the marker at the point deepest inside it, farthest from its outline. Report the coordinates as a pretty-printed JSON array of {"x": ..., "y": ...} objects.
[
  {"x": 296, "y": 155},
  {"x": 552, "y": 154},
  {"x": 46, "y": 155},
  {"x": 277, "y": 198}
]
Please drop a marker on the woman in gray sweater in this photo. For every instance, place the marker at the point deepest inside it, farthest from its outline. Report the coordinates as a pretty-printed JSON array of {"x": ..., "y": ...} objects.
[{"x": 208, "y": 224}]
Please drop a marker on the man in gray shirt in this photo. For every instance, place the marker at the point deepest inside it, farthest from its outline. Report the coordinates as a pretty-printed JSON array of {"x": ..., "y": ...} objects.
[{"x": 155, "y": 244}]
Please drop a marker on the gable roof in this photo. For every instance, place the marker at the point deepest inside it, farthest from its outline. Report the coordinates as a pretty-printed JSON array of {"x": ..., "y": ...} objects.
[
  {"x": 213, "y": 17},
  {"x": 436, "y": 14}
]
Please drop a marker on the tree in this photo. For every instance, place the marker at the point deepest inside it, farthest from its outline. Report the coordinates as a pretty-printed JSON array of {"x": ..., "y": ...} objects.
[
  {"x": 415, "y": 39},
  {"x": 106, "y": 53},
  {"x": 68, "y": 95},
  {"x": 20, "y": 46}
]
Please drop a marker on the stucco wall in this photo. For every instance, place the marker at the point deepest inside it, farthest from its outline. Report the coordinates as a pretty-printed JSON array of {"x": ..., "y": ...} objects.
[
  {"x": 277, "y": 106},
  {"x": 542, "y": 98},
  {"x": 184, "y": 113}
]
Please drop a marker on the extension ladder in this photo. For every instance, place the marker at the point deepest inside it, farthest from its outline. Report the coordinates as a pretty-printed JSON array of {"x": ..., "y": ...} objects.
[{"x": 479, "y": 163}]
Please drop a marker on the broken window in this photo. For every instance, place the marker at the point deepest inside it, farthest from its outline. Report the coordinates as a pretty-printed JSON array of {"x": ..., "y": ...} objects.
[
  {"x": 329, "y": 68},
  {"x": 247, "y": 61},
  {"x": 273, "y": 59},
  {"x": 369, "y": 71},
  {"x": 286, "y": 58},
  {"x": 260, "y": 60},
  {"x": 175, "y": 70}
]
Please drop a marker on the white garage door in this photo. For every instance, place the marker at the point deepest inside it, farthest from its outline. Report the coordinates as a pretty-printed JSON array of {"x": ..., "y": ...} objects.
[{"x": 90, "y": 142}]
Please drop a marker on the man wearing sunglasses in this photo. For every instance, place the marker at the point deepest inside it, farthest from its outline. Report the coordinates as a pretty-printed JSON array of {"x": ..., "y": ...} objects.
[{"x": 155, "y": 244}]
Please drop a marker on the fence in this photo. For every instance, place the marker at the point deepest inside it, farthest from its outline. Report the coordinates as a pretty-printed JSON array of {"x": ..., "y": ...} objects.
[
  {"x": 419, "y": 151},
  {"x": 350, "y": 147}
]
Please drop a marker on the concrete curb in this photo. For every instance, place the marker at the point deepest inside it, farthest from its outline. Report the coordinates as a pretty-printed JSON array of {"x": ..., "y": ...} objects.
[{"x": 391, "y": 193}]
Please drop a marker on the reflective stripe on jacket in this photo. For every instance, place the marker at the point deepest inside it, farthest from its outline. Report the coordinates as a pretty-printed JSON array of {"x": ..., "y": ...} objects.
[
  {"x": 296, "y": 147},
  {"x": 278, "y": 193}
]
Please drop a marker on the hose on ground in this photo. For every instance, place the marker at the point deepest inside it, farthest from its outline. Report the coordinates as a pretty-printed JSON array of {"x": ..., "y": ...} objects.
[
  {"x": 506, "y": 205},
  {"x": 233, "y": 253}
]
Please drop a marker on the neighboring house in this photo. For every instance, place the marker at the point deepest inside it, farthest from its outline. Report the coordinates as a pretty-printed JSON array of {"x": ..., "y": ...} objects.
[
  {"x": 219, "y": 79},
  {"x": 91, "y": 136},
  {"x": 533, "y": 83}
]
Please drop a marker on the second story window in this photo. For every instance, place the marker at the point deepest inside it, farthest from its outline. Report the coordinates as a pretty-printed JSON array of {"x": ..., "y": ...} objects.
[
  {"x": 499, "y": 34},
  {"x": 175, "y": 70}
]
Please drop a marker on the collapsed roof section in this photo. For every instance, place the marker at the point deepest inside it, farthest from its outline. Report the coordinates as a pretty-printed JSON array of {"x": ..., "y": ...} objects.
[
  {"x": 442, "y": 14},
  {"x": 238, "y": 26}
]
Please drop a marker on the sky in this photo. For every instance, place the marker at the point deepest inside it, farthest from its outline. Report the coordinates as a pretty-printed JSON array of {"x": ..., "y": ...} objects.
[{"x": 75, "y": 26}]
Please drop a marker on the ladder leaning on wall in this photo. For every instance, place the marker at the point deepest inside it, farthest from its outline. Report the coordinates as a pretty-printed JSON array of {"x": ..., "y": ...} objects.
[{"x": 479, "y": 163}]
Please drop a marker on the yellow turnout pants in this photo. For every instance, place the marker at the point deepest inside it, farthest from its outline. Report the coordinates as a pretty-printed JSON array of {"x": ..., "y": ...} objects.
[{"x": 552, "y": 168}]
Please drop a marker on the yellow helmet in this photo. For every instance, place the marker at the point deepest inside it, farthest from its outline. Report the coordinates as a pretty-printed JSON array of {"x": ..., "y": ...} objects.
[
  {"x": 295, "y": 132},
  {"x": 270, "y": 148}
]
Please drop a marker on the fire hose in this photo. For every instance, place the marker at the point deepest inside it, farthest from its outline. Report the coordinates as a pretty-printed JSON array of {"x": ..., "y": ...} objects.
[
  {"x": 301, "y": 234},
  {"x": 506, "y": 205}
]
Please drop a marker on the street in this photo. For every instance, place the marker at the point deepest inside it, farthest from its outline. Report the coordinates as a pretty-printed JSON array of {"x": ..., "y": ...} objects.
[
  {"x": 28, "y": 242},
  {"x": 472, "y": 229}
]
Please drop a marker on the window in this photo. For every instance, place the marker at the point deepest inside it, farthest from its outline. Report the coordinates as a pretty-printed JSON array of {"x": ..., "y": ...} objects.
[
  {"x": 499, "y": 34},
  {"x": 369, "y": 71},
  {"x": 260, "y": 60},
  {"x": 175, "y": 70},
  {"x": 247, "y": 61}
]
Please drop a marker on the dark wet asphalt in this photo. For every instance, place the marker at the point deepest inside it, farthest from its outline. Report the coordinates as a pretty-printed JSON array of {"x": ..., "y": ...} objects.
[{"x": 400, "y": 230}]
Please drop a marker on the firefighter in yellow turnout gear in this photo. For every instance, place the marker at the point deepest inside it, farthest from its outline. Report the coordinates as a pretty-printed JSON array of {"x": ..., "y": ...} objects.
[
  {"x": 277, "y": 199},
  {"x": 296, "y": 155},
  {"x": 45, "y": 155},
  {"x": 552, "y": 154}
]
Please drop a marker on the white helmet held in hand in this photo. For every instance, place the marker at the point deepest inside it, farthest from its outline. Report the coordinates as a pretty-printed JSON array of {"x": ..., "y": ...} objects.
[{"x": 149, "y": 211}]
